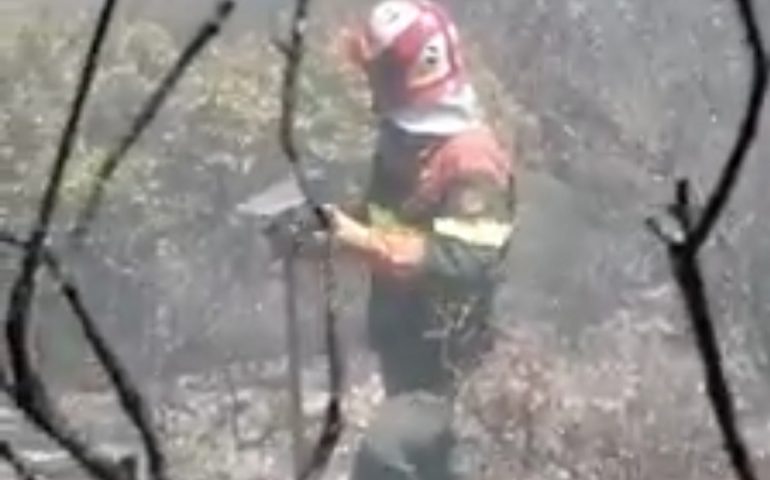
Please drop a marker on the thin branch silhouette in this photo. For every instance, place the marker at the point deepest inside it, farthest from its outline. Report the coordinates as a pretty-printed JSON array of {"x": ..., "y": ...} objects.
[
  {"x": 22, "y": 291},
  {"x": 294, "y": 52},
  {"x": 205, "y": 34},
  {"x": 333, "y": 424},
  {"x": 748, "y": 130},
  {"x": 17, "y": 463},
  {"x": 696, "y": 227},
  {"x": 23, "y": 383},
  {"x": 131, "y": 400},
  {"x": 127, "y": 393}
]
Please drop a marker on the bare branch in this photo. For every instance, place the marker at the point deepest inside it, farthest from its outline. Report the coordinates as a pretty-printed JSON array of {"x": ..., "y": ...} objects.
[
  {"x": 697, "y": 227},
  {"x": 40, "y": 411},
  {"x": 294, "y": 51},
  {"x": 22, "y": 291},
  {"x": 131, "y": 400},
  {"x": 23, "y": 471},
  {"x": 129, "y": 396},
  {"x": 747, "y": 133},
  {"x": 29, "y": 391},
  {"x": 690, "y": 279},
  {"x": 334, "y": 423},
  {"x": 147, "y": 114},
  {"x": 25, "y": 386}
]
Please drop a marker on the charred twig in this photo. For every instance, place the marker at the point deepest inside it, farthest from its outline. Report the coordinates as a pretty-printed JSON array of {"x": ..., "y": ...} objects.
[
  {"x": 696, "y": 228},
  {"x": 39, "y": 410},
  {"x": 25, "y": 385},
  {"x": 333, "y": 423},
  {"x": 22, "y": 291},
  {"x": 27, "y": 380},
  {"x": 23, "y": 471},
  {"x": 294, "y": 51},
  {"x": 748, "y": 130},
  {"x": 128, "y": 394},
  {"x": 147, "y": 114}
]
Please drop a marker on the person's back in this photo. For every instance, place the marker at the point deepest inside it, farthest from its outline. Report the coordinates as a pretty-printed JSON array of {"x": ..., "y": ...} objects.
[{"x": 437, "y": 220}]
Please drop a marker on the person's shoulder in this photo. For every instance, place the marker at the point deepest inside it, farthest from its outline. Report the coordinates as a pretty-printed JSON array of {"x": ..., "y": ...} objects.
[{"x": 475, "y": 150}]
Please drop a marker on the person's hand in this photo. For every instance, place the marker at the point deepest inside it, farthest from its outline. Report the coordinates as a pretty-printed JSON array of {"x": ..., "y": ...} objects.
[{"x": 347, "y": 230}]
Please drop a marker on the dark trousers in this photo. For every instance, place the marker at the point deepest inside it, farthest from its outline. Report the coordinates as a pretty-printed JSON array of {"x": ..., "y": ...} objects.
[{"x": 411, "y": 436}]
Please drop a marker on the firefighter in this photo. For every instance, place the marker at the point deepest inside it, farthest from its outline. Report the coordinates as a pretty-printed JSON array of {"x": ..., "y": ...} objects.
[{"x": 437, "y": 219}]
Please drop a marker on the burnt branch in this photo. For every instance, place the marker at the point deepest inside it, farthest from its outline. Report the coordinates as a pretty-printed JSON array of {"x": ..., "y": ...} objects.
[
  {"x": 694, "y": 229},
  {"x": 25, "y": 385},
  {"x": 294, "y": 51},
  {"x": 16, "y": 462},
  {"x": 41, "y": 413},
  {"x": 748, "y": 130},
  {"x": 22, "y": 291},
  {"x": 147, "y": 114},
  {"x": 127, "y": 392},
  {"x": 334, "y": 422}
]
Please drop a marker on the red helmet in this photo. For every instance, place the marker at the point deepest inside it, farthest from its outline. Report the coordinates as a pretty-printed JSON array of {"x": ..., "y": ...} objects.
[{"x": 411, "y": 53}]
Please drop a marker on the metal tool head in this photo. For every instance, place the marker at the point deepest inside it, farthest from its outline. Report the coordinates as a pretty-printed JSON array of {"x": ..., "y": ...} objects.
[
  {"x": 287, "y": 193},
  {"x": 278, "y": 198}
]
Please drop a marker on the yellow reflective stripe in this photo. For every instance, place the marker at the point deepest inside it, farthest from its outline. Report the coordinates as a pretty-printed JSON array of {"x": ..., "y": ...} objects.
[
  {"x": 381, "y": 216},
  {"x": 481, "y": 232},
  {"x": 386, "y": 220}
]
